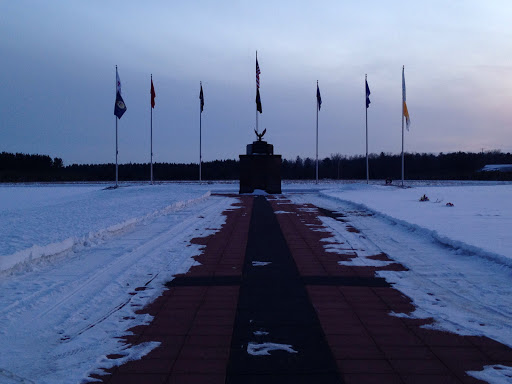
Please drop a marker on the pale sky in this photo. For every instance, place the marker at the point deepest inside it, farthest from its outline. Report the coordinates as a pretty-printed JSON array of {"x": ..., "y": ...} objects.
[{"x": 58, "y": 58}]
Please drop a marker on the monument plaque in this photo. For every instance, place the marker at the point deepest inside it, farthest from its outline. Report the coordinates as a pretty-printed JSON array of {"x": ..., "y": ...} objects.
[{"x": 260, "y": 168}]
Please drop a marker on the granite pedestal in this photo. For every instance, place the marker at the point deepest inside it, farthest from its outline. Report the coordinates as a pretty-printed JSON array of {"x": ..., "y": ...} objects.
[{"x": 260, "y": 169}]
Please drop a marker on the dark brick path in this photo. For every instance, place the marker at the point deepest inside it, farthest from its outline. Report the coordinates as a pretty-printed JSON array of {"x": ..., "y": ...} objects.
[
  {"x": 195, "y": 318},
  {"x": 274, "y": 301}
]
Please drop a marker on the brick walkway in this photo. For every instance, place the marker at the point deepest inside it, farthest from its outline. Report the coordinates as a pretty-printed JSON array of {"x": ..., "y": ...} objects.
[{"x": 204, "y": 318}]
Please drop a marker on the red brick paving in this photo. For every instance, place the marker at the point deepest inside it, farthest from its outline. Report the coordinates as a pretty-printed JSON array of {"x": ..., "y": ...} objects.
[{"x": 194, "y": 323}]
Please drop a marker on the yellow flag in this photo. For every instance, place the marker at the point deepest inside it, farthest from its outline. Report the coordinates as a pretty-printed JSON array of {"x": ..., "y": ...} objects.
[
  {"x": 404, "y": 97},
  {"x": 406, "y": 114}
]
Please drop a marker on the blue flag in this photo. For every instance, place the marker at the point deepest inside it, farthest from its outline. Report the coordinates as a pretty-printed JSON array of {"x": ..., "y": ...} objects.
[
  {"x": 201, "y": 98},
  {"x": 367, "y": 95},
  {"x": 318, "y": 97},
  {"x": 120, "y": 107}
]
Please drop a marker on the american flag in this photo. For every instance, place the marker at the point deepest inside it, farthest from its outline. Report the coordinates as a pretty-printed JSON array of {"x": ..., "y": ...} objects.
[{"x": 257, "y": 74}]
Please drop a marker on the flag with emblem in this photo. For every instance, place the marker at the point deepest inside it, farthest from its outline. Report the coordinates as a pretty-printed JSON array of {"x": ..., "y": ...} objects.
[{"x": 120, "y": 106}]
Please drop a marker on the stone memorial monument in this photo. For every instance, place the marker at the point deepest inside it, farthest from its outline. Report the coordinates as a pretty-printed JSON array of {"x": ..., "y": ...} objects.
[{"x": 260, "y": 168}]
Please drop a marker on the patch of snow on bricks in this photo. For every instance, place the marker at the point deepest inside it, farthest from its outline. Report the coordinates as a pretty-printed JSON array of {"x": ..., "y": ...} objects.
[
  {"x": 260, "y": 333},
  {"x": 497, "y": 374},
  {"x": 262, "y": 349},
  {"x": 260, "y": 263}
]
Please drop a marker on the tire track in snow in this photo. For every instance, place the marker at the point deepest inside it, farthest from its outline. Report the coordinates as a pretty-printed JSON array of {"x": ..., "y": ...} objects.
[
  {"x": 109, "y": 235},
  {"x": 174, "y": 235}
]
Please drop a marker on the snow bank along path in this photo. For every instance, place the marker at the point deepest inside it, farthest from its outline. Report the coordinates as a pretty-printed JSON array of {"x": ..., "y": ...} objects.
[
  {"x": 60, "y": 318},
  {"x": 478, "y": 223},
  {"x": 48, "y": 220}
]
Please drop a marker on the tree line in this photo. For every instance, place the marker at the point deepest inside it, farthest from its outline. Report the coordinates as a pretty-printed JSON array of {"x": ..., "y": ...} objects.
[{"x": 418, "y": 166}]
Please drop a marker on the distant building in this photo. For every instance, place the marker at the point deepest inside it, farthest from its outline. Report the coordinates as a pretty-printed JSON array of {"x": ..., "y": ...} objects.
[{"x": 497, "y": 168}]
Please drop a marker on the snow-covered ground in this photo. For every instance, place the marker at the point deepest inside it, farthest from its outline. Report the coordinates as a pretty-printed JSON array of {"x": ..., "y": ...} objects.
[
  {"x": 465, "y": 291},
  {"x": 71, "y": 256},
  {"x": 44, "y": 219},
  {"x": 479, "y": 221},
  {"x": 459, "y": 257},
  {"x": 81, "y": 260}
]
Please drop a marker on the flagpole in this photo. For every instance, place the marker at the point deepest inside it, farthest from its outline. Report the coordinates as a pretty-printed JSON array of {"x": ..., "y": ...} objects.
[
  {"x": 317, "y": 136},
  {"x": 403, "y": 67},
  {"x": 116, "y": 135},
  {"x": 151, "y": 135},
  {"x": 116, "y": 151},
  {"x": 366, "y": 110},
  {"x": 257, "y": 130},
  {"x": 200, "y": 135}
]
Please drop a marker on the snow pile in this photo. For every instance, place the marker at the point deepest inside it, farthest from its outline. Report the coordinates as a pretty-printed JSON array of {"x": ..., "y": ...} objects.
[{"x": 497, "y": 167}]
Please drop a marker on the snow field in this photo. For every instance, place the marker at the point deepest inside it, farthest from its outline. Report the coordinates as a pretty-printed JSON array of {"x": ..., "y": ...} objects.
[
  {"x": 478, "y": 223},
  {"x": 45, "y": 221}
]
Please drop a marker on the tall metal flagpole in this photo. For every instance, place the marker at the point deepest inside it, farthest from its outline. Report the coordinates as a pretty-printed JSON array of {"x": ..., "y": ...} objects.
[
  {"x": 116, "y": 133},
  {"x": 403, "y": 67},
  {"x": 151, "y": 108},
  {"x": 257, "y": 86},
  {"x": 116, "y": 151},
  {"x": 317, "y": 135},
  {"x": 366, "y": 109},
  {"x": 200, "y": 134}
]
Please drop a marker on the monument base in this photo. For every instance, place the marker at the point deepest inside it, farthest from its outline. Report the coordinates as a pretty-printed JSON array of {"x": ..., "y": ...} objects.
[{"x": 260, "y": 171}]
